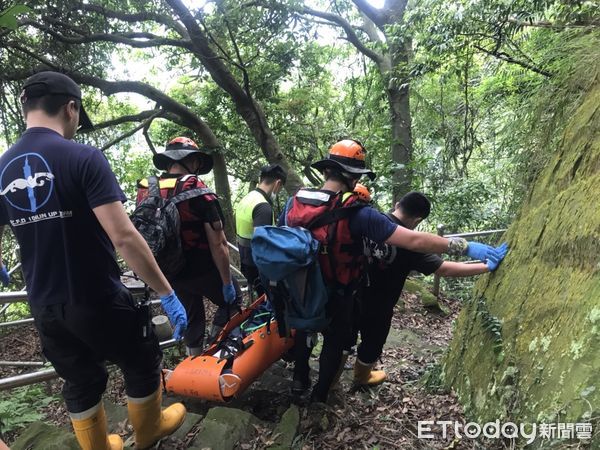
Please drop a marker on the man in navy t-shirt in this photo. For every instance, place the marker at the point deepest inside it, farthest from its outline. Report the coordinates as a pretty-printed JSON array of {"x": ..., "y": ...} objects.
[
  {"x": 64, "y": 205},
  {"x": 342, "y": 168}
]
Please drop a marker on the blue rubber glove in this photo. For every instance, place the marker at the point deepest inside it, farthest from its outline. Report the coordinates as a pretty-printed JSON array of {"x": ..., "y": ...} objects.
[
  {"x": 475, "y": 250},
  {"x": 4, "y": 276},
  {"x": 229, "y": 293},
  {"x": 176, "y": 313},
  {"x": 494, "y": 260}
]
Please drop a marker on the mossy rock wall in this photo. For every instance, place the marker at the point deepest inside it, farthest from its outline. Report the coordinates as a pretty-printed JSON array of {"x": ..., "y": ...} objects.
[{"x": 527, "y": 345}]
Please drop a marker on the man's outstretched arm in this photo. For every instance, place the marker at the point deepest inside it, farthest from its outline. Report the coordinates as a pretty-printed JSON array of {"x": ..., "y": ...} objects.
[{"x": 458, "y": 269}]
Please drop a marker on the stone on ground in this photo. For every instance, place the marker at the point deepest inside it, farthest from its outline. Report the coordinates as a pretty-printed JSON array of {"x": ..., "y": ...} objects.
[
  {"x": 224, "y": 428},
  {"x": 40, "y": 436},
  {"x": 286, "y": 430}
]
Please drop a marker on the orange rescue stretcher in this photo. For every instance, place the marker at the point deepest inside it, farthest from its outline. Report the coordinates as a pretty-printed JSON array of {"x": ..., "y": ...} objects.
[{"x": 211, "y": 377}]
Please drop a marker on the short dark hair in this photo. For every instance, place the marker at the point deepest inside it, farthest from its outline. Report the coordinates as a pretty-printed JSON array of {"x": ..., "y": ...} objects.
[
  {"x": 415, "y": 204},
  {"x": 50, "y": 104},
  {"x": 272, "y": 173}
]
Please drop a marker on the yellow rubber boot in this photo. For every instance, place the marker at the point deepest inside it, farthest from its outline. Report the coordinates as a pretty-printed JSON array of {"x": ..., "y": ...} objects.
[
  {"x": 91, "y": 430},
  {"x": 364, "y": 376},
  {"x": 149, "y": 422}
]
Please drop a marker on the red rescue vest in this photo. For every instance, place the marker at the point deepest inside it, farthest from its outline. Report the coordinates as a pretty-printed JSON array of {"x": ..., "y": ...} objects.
[
  {"x": 341, "y": 257},
  {"x": 193, "y": 235}
]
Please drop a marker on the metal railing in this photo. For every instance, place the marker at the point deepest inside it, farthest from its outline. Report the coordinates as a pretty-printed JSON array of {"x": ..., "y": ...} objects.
[
  {"x": 48, "y": 374},
  {"x": 470, "y": 234},
  {"x": 8, "y": 298}
]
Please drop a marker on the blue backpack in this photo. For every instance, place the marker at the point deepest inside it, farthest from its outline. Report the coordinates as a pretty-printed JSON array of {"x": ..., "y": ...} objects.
[{"x": 287, "y": 259}]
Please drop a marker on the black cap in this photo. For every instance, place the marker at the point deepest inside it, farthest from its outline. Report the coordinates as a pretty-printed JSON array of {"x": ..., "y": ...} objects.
[
  {"x": 55, "y": 83},
  {"x": 275, "y": 171}
]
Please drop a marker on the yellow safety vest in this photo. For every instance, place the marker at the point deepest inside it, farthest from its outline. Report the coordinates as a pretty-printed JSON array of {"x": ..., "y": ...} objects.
[{"x": 244, "y": 224}]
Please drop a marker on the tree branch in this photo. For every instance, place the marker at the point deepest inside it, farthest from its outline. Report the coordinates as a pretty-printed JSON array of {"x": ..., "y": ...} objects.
[
  {"x": 145, "y": 16},
  {"x": 130, "y": 39},
  {"x": 376, "y": 16},
  {"x": 505, "y": 57},
  {"x": 370, "y": 29},
  {"x": 130, "y": 132},
  {"x": 351, "y": 35},
  {"x": 187, "y": 116},
  {"x": 248, "y": 109},
  {"x": 124, "y": 119},
  {"x": 147, "y": 137}
]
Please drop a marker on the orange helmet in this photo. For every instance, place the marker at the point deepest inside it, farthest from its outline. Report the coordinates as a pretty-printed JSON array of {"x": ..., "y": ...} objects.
[
  {"x": 178, "y": 149},
  {"x": 181, "y": 142},
  {"x": 348, "y": 156},
  {"x": 362, "y": 192}
]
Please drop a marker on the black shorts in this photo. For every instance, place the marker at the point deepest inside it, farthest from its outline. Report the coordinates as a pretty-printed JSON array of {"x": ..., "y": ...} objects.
[
  {"x": 79, "y": 339},
  {"x": 190, "y": 289}
]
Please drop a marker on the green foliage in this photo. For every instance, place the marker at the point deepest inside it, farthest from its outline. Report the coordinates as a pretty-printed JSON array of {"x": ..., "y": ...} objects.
[
  {"x": 482, "y": 126},
  {"x": 432, "y": 379},
  {"x": 21, "y": 406},
  {"x": 10, "y": 258},
  {"x": 8, "y": 17},
  {"x": 490, "y": 324}
]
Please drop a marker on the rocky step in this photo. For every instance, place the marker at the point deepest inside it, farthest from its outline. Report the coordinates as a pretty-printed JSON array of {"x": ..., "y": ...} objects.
[{"x": 221, "y": 429}]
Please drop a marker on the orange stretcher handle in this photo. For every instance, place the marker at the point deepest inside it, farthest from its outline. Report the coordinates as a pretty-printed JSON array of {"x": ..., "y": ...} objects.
[{"x": 196, "y": 376}]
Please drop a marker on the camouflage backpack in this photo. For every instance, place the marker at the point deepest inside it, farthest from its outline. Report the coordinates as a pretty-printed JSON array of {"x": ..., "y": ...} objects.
[{"x": 158, "y": 221}]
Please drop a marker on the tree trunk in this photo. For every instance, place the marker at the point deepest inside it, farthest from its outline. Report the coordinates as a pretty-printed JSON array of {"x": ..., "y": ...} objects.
[
  {"x": 224, "y": 193},
  {"x": 398, "y": 95},
  {"x": 401, "y": 146}
]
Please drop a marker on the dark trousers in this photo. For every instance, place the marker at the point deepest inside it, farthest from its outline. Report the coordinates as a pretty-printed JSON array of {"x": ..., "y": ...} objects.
[
  {"x": 335, "y": 338},
  {"x": 79, "y": 339},
  {"x": 251, "y": 273},
  {"x": 191, "y": 288},
  {"x": 375, "y": 321}
]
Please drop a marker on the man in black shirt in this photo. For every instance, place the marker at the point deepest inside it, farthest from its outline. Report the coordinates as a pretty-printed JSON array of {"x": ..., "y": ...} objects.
[
  {"x": 388, "y": 271},
  {"x": 64, "y": 206}
]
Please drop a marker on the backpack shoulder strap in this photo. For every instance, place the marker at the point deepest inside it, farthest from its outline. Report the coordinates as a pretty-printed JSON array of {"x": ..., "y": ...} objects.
[
  {"x": 288, "y": 204},
  {"x": 334, "y": 215},
  {"x": 189, "y": 194},
  {"x": 153, "y": 186}
]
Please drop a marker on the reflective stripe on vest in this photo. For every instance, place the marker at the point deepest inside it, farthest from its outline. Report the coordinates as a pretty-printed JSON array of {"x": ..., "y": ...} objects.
[
  {"x": 165, "y": 183},
  {"x": 244, "y": 225}
]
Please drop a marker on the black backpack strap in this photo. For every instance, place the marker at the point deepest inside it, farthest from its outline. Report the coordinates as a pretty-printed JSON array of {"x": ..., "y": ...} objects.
[
  {"x": 334, "y": 215},
  {"x": 153, "y": 186},
  {"x": 190, "y": 193}
]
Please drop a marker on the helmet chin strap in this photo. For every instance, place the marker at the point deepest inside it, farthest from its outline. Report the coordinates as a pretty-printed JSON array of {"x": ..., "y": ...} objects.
[
  {"x": 185, "y": 166},
  {"x": 348, "y": 181}
]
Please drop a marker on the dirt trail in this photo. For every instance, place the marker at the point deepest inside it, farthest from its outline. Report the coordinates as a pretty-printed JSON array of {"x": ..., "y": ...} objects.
[{"x": 385, "y": 417}]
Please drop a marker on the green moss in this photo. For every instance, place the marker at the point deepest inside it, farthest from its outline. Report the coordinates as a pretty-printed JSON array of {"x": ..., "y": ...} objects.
[
  {"x": 419, "y": 289},
  {"x": 545, "y": 295}
]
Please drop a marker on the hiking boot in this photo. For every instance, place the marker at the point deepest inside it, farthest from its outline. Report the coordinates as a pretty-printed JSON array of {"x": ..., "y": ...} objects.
[{"x": 364, "y": 376}]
